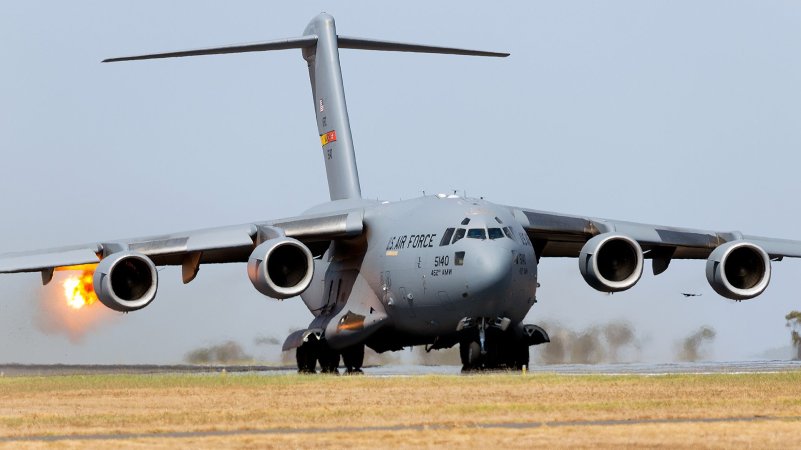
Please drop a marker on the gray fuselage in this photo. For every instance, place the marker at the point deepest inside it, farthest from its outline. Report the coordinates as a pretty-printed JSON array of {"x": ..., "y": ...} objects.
[{"x": 425, "y": 278}]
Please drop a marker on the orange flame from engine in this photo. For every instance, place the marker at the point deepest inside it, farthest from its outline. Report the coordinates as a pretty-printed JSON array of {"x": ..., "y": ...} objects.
[
  {"x": 79, "y": 290},
  {"x": 69, "y": 306}
]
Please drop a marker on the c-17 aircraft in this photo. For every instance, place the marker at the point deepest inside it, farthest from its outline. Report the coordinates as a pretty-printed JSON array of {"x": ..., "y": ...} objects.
[{"x": 439, "y": 270}]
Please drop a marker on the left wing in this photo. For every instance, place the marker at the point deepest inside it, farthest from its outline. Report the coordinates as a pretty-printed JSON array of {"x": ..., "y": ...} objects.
[
  {"x": 192, "y": 248},
  {"x": 738, "y": 265}
]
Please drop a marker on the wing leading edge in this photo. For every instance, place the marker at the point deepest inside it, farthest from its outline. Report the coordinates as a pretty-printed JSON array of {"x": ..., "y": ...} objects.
[
  {"x": 561, "y": 235},
  {"x": 209, "y": 246}
]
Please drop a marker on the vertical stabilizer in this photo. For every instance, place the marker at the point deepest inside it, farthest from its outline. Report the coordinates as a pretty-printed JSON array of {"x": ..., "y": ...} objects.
[
  {"x": 333, "y": 125},
  {"x": 320, "y": 45}
]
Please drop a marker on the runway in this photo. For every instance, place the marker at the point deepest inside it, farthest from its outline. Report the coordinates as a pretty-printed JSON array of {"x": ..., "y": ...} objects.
[{"x": 413, "y": 370}]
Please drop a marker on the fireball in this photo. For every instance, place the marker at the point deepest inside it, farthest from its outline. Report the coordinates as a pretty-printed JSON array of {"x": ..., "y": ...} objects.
[{"x": 79, "y": 290}]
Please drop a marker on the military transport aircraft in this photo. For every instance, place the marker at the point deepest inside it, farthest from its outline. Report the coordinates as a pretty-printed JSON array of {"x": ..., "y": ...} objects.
[{"x": 438, "y": 270}]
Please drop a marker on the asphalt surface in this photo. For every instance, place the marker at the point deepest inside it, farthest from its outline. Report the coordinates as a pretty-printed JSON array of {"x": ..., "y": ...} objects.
[{"x": 412, "y": 370}]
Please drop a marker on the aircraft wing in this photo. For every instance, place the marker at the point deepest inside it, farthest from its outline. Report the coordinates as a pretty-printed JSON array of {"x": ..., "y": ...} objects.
[
  {"x": 214, "y": 245},
  {"x": 562, "y": 235}
]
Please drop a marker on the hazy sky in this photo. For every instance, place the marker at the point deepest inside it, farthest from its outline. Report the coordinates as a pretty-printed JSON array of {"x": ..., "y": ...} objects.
[{"x": 680, "y": 113}]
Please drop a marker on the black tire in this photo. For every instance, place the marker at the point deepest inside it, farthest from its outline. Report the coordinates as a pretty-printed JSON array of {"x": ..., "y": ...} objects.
[
  {"x": 329, "y": 359},
  {"x": 522, "y": 356},
  {"x": 306, "y": 356},
  {"x": 518, "y": 355},
  {"x": 513, "y": 351},
  {"x": 470, "y": 353},
  {"x": 497, "y": 351},
  {"x": 353, "y": 358}
]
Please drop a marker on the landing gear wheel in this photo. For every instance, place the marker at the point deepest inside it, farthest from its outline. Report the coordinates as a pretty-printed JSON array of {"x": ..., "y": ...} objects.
[
  {"x": 329, "y": 359},
  {"x": 470, "y": 353},
  {"x": 306, "y": 356},
  {"x": 512, "y": 354},
  {"x": 523, "y": 357},
  {"x": 518, "y": 355},
  {"x": 353, "y": 358},
  {"x": 497, "y": 349}
]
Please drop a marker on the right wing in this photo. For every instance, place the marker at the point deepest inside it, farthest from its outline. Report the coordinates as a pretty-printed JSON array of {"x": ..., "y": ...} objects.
[
  {"x": 612, "y": 252},
  {"x": 563, "y": 235}
]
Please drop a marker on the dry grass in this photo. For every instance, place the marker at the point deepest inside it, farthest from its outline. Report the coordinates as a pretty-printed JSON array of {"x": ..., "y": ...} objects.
[{"x": 168, "y": 403}]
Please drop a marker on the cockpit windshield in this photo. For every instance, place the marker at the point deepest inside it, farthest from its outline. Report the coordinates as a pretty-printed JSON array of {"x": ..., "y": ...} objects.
[
  {"x": 446, "y": 237},
  {"x": 454, "y": 235}
]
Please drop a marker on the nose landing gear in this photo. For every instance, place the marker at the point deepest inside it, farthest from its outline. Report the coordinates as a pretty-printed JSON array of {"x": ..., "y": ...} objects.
[{"x": 491, "y": 344}]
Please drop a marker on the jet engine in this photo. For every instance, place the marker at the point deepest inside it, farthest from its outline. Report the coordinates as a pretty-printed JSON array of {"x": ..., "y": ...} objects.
[
  {"x": 738, "y": 270},
  {"x": 281, "y": 267},
  {"x": 126, "y": 281},
  {"x": 611, "y": 262}
]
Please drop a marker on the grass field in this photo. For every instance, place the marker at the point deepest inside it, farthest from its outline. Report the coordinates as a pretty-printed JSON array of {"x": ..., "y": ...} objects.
[{"x": 509, "y": 410}]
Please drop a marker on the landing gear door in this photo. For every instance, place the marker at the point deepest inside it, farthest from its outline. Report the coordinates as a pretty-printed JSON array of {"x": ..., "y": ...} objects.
[{"x": 331, "y": 293}]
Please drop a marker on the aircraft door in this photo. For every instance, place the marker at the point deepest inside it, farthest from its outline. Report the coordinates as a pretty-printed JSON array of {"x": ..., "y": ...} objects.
[{"x": 386, "y": 287}]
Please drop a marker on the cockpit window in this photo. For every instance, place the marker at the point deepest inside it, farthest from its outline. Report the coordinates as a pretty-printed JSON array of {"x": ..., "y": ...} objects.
[
  {"x": 495, "y": 233},
  {"x": 476, "y": 233},
  {"x": 508, "y": 233},
  {"x": 446, "y": 237},
  {"x": 466, "y": 221},
  {"x": 458, "y": 235}
]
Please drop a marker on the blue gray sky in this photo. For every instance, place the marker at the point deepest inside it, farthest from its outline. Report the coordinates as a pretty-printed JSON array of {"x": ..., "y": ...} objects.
[{"x": 680, "y": 113}]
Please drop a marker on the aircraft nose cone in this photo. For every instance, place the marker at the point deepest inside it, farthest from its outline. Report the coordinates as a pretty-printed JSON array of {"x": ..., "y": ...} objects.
[{"x": 491, "y": 269}]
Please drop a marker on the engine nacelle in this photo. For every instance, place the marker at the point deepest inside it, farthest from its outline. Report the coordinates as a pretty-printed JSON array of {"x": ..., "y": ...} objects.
[
  {"x": 611, "y": 262},
  {"x": 738, "y": 270},
  {"x": 281, "y": 268},
  {"x": 126, "y": 281}
]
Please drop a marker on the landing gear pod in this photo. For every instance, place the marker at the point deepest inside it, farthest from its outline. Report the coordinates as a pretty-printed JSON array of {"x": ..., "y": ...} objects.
[
  {"x": 738, "y": 270},
  {"x": 126, "y": 281},
  {"x": 611, "y": 262},
  {"x": 281, "y": 268}
]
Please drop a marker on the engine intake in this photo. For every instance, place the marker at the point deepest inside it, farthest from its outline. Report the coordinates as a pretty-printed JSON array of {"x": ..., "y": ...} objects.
[
  {"x": 281, "y": 268},
  {"x": 126, "y": 281},
  {"x": 738, "y": 270},
  {"x": 611, "y": 262}
]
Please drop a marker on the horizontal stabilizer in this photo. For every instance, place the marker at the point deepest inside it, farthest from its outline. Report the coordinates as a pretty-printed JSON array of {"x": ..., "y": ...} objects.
[
  {"x": 281, "y": 44},
  {"x": 309, "y": 41},
  {"x": 372, "y": 44}
]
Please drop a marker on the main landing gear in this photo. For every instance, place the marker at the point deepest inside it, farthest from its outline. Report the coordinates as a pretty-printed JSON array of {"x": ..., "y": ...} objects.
[
  {"x": 315, "y": 350},
  {"x": 487, "y": 344}
]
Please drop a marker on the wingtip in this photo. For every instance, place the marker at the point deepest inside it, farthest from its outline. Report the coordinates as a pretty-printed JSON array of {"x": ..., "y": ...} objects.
[{"x": 494, "y": 54}]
